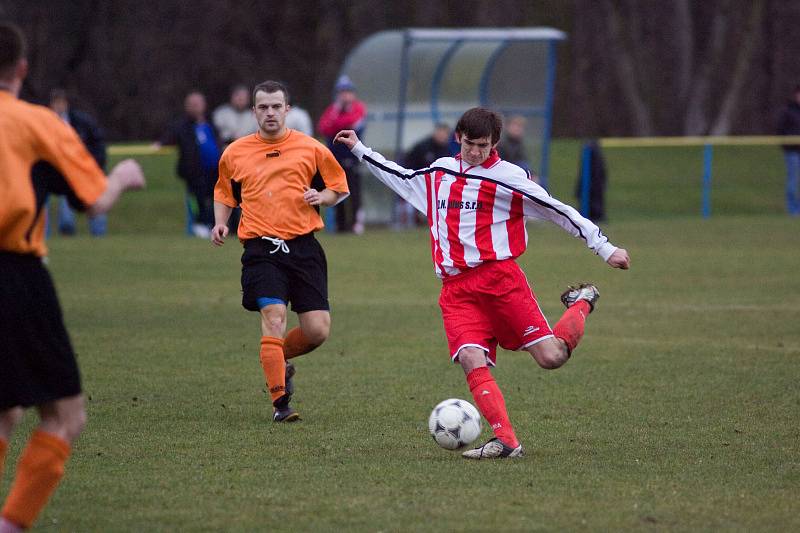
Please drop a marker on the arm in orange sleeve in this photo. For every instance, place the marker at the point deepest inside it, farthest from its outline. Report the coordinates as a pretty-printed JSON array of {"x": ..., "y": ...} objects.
[
  {"x": 77, "y": 170},
  {"x": 223, "y": 189},
  {"x": 332, "y": 174}
]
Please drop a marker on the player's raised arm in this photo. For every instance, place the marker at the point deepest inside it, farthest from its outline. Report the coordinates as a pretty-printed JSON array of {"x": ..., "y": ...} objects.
[
  {"x": 408, "y": 183},
  {"x": 126, "y": 175}
]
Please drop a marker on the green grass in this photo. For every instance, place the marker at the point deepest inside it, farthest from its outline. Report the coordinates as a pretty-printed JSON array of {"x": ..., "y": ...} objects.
[{"x": 679, "y": 411}]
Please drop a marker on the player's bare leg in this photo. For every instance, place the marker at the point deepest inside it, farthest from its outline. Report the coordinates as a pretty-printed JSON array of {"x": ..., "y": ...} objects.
[
  {"x": 315, "y": 326},
  {"x": 492, "y": 406},
  {"x": 64, "y": 418},
  {"x": 273, "y": 327},
  {"x": 550, "y": 353},
  {"x": 41, "y": 465},
  {"x": 554, "y": 352},
  {"x": 9, "y": 418}
]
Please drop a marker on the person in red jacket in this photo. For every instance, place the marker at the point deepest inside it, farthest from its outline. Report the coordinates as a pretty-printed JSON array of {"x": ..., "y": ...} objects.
[{"x": 347, "y": 112}]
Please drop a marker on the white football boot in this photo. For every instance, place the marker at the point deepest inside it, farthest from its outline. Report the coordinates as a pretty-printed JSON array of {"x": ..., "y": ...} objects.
[
  {"x": 584, "y": 291},
  {"x": 494, "y": 449}
]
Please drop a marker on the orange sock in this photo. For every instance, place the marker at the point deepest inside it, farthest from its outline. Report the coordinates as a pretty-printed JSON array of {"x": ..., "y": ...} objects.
[
  {"x": 40, "y": 468},
  {"x": 295, "y": 343},
  {"x": 3, "y": 450},
  {"x": 570, "y": 327},
  {"x": 274, "y": 365}
]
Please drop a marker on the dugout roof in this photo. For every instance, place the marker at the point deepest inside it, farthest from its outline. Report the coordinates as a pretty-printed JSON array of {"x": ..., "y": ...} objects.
[{"x": 413, "y": 78}]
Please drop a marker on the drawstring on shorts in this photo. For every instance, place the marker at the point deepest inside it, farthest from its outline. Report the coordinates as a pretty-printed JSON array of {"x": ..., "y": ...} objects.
[{"x": 280, "y": 244}]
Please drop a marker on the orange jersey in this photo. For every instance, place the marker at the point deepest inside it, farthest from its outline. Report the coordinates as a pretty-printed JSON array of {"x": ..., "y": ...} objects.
[
  {"x": 268, "y": 179},
  {"x": 30, "y": 134}
]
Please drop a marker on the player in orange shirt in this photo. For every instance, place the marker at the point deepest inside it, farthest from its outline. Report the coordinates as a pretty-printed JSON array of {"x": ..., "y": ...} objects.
[
  {"x": 37, "y": 364},
  {"x": 279, "y": 177}
]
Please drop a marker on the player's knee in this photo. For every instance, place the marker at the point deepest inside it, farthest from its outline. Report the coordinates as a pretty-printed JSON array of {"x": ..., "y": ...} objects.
[
  {"x": 316, "y": 327},
  {"x": 273, "y": 323},
  {"x": 471, "y": 358},
  {"x": 66, "y": 420},
  {"x": 9, "y": 420},
  {"x": 317, "y": 334},
  {"x": 74, "y": 424},
  {"x": 552, "y": 359}
]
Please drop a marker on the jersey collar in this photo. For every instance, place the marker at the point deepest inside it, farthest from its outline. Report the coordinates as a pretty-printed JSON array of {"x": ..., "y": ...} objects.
[
  {"x": 491, "y": 161},
  {"x": 273, "y": 141}
]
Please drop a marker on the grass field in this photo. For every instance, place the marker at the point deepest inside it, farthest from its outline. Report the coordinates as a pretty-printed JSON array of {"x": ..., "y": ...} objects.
[{"x": 679, "y": 411}]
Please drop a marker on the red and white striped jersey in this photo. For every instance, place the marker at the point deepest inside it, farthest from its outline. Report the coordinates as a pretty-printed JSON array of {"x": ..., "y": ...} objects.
[{"x": 478, "y": 214}]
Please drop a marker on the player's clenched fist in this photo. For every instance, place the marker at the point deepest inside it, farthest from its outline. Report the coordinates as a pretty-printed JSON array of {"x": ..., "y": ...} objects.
[
  {"x": 620, "y": 259},
  {"x": 347, "y": 138},
  {"x": 219, "y": 233}
]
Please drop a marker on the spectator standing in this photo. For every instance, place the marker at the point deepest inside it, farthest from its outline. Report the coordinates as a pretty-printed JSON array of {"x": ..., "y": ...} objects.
[
  {"x": 421, "y": 155},
  {"x": 789, "y": 124},
  {"x": 298, "y": 119},
  {"x": 347, "y": 112},
  {"x": 431, "y": 148},
  {"x": 198, "y": 158},
  {"x": 511, "y": 147},
  {"x": 235, "y": 119},
  {"x": 598, "y": 178},
  {"x": 94, "y": 139}
]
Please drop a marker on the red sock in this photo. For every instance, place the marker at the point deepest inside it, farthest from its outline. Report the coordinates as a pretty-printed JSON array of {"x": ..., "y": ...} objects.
[
  {"x": 570, "y": 327},
  {"x": 40, "y": 468},
  {"x": 491, "y": 404},
  {"x": 3, "y": 450}
]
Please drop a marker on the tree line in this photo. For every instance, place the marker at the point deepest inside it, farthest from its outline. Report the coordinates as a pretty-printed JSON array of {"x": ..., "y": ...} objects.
[{"x": 629, "y": 67}]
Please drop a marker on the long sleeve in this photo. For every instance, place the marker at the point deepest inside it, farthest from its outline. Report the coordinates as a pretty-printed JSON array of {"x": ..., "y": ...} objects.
[
  {"x": 409, "y": 184},
  {"x": 538, "y": 204}
]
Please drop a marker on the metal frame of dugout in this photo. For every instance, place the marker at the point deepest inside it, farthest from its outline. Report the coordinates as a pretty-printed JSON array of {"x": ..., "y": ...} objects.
[{"x": 413, "y": 78}]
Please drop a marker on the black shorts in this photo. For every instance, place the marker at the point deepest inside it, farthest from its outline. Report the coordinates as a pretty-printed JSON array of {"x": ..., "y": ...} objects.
[
  {"x": 299, "y": 276},
  {"x": 37, "y": 364}
]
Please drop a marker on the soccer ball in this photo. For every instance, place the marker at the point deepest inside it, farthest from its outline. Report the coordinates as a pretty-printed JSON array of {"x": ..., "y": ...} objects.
[{"x": 454, "y": 424}]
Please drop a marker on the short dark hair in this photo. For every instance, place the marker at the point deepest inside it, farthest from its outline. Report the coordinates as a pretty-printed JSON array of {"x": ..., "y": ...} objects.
[
  {"x": 480, "y": 122},
  {"x": 270, "y": 87},
  {"x": 12, "y": 47}
]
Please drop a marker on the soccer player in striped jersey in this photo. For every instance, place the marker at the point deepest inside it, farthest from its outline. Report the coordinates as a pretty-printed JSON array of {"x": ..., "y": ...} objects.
[
  {"x": 477, "y": 205},
  {"x": 37, "y": 363}
]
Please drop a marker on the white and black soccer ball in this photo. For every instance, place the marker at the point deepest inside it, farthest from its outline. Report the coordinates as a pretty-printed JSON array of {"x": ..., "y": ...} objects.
[{"x": 454, "y": 424}]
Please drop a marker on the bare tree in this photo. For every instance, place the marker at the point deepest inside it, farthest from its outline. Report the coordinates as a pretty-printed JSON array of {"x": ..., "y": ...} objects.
[{"x": 749, "y": 41}]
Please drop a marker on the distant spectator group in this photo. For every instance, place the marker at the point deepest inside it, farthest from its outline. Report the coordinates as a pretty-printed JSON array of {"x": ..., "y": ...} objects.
[{"x": 201, "y": 137}]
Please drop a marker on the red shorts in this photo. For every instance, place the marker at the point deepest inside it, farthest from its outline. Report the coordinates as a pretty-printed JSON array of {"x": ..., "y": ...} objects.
[{"x": 489, "y": 305}]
